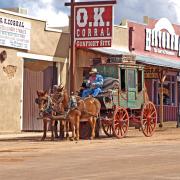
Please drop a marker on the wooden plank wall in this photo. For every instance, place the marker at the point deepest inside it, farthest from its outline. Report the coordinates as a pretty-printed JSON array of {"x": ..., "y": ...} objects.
[
  {"x": 170, "y": 113},
  {"x": 33, "y": 81}
]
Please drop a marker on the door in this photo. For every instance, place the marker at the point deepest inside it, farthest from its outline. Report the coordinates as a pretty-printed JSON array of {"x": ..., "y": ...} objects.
[
  {"x": 131, "y": 87},
  {"x": 33, "y": 81}
]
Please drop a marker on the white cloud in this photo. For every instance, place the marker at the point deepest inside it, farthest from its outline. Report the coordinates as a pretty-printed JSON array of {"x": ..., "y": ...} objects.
[
  {"x": 57, "y": 14},
  {"x": 176, "y": 5},
  {"x": 46, "y": 10}
]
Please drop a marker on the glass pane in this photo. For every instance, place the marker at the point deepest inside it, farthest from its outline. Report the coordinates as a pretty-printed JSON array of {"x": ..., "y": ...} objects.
[
  {"x": 166, "y": 94},
  {"x": 155, "y": 92},
  {"x": 123, "y": 79},
  {"x": 131, "y": 78},
  {"x": 174, "y": 78},
  {"x": 173, "y": 94},
  {"x": 139, "y": 81}
]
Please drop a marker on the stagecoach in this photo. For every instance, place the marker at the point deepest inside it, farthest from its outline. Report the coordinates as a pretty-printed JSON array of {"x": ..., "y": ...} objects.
[{"x": 124, "y": 100}]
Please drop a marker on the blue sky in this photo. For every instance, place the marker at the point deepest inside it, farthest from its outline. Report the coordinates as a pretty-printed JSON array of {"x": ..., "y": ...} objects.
[{"x": 57, "y": 15}]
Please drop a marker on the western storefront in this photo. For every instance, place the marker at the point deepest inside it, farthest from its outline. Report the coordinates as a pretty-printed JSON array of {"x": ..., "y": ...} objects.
[
  {"x": 32, "y": 57},
  {"x": 156, "y": 45}
]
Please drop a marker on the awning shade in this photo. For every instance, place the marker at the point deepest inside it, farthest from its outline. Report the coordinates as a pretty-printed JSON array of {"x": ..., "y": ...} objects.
[
  {"x": 170, "y": 63},
  {"x": 162, "y": 62},
  {"x": 109, "y": 51}
]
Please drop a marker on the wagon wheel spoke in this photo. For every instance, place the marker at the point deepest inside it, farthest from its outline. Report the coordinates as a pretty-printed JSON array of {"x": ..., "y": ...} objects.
[
  {"x": 148, "y": 119},
  {"x": 107, "y": 127},
  {"x": 121, "y": 122}
]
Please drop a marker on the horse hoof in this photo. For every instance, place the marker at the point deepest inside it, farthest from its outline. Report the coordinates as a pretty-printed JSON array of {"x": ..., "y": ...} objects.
[
  {"x": 71, "y": 139},
  {"x": 76, "y": 139},
  {"x": 91, "y": 138}
]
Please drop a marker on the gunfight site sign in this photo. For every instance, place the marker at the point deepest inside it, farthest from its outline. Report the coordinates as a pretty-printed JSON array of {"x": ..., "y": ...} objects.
[
  {"x": 14, "y": 33},
  {"x": 93, "y": 26}
]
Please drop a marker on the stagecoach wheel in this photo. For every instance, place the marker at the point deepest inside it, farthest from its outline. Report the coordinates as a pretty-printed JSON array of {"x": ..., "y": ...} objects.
[
  {"x": 120, "y": 122},
  {"x": 148, "y": 119},
  {"x": 107, "y": 127}
]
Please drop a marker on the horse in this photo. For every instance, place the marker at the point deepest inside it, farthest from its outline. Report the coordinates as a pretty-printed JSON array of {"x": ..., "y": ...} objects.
[
  {"x": 49, "y": 106},
  {"x": 44, "y": 102},
  {"x": 88, "y": 108}
]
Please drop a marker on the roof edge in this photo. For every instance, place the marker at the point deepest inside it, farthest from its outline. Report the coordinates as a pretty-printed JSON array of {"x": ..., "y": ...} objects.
[{"x": 21, "y": 15}]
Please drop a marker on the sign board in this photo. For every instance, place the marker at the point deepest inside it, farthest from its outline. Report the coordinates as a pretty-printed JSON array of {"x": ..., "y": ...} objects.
[
  {"x": 93, "y": 26},
  {"x": 162, "y": 39},
  {"x": 14, "y": 33},
  {"x": 151, "y": 73}
]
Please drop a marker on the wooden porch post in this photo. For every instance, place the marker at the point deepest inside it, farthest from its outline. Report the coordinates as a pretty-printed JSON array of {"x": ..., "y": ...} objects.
[
  {"x": 73, "y": 49},
  {"x": 162, "y": 76}
]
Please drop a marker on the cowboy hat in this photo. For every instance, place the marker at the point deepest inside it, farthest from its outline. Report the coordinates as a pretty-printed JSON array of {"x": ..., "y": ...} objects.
[{"x": 93, "y": 71}]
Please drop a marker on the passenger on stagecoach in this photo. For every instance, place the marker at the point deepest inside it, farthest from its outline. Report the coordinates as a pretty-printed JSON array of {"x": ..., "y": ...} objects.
[{"x": 94, "y": 84}]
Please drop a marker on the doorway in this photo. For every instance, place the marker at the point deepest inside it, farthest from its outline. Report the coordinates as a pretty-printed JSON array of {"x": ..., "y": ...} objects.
[{"x": 38, "y": 75}]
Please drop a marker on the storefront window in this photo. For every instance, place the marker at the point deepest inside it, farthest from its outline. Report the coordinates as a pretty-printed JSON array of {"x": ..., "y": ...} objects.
[{"x": 169, "y": 91}]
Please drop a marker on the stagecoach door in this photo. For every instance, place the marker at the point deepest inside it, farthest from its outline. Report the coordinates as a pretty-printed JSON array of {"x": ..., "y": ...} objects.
[{"x": 131, "y": 87}]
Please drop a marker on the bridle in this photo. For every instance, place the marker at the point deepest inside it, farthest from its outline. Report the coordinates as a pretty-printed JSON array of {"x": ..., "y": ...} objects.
[{"x": 47, "y": 108}]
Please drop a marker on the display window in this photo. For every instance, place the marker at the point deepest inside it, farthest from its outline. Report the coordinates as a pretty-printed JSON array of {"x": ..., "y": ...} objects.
[{"x": 169, "y": 91}]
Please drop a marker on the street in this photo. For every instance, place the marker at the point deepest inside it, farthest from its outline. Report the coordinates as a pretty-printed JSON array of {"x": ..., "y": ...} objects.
[{"x": 133, "y": 157}]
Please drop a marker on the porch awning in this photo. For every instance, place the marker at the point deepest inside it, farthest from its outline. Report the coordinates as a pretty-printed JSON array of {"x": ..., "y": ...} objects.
[
  {"x": 162, "y": 62},
  {"x": 110, "y": 51}
]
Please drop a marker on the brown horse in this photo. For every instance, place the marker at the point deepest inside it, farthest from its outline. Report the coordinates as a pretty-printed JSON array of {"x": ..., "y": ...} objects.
[
  {"x": 51, "y": 105},
  {"x": 88, "y": 108},
  {"x": 45, "y": 111}
]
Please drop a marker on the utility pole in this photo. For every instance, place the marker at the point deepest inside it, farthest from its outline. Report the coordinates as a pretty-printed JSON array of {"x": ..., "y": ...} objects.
[{"x": 73, "y": 53}]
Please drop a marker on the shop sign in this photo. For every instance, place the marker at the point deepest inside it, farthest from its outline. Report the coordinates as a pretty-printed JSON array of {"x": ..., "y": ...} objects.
[
  {"x": 93, "y": 26},
  {"x": 14, "y": 33},
  {"x": 162, "y": 39},
  {"x": 151, "y": 73}
]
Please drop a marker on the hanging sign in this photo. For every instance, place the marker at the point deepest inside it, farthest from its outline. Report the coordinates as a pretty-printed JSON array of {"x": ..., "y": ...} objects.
[
  {"x": 151, "y": 73},
  {"x": 93, "y": 26}
]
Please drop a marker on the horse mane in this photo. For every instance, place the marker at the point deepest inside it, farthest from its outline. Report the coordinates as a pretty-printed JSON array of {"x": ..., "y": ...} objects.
[{"x": 65, "y": 100}]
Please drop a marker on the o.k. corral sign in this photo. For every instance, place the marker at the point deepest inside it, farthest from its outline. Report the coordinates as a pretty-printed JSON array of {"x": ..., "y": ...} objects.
[{"x": 93, "y": 26}]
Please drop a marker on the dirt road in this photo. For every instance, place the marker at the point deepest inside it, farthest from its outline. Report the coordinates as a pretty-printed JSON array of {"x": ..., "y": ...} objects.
[{"x": 136, "y": 157}]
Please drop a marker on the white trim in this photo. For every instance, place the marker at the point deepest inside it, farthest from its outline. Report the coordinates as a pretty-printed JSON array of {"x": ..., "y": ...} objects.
[
  {"x": 41, "y": 57},
  {"x": 21, "y": 100},
  {"x": 52, "y": 29}
]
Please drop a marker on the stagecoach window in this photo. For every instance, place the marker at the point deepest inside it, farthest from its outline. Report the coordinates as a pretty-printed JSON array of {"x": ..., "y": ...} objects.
[
  {"x": 123, "y": 79},
  {"x": 139, "y": 81},
  {"x": 131, "y": 79}
]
